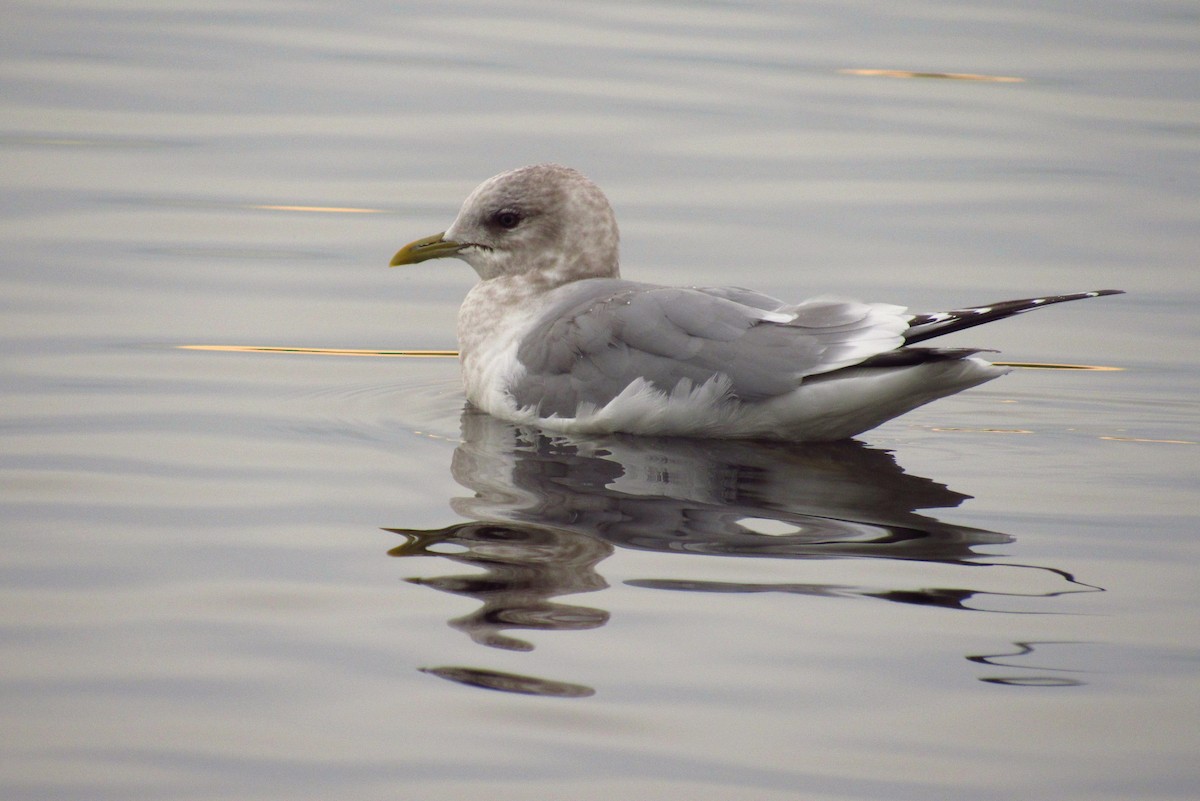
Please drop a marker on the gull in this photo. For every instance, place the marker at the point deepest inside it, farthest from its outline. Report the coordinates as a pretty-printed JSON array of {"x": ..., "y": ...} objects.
[{"x": 552, "y": 336}]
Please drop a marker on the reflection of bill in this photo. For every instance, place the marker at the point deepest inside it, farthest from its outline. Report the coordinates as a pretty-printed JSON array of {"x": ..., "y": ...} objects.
[{"x": 547, "y": 509}]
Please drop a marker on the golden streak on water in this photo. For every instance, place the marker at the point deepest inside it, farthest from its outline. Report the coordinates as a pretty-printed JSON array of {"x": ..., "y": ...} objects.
[
  {"x": 412, "y": 354},
  {"x": 1051, "y": 366},
  {"x": 323, "y": 209},
  {"x": 1160, "y": 441},
  {"x": 55, "y": 142},
  {"x": 954, "y": 76},
  {"x": 984, "y": 430}
]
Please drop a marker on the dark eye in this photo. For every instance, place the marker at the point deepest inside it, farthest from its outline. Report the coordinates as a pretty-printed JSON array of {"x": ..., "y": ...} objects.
[{"x": 507, "y": 218}]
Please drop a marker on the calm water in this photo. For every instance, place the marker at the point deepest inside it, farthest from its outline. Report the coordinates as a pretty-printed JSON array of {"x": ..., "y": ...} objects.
[{"x": 252, "y": 575}]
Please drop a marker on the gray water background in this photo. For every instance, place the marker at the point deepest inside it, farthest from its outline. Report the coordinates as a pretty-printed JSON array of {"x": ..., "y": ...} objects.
[{"x": 197, "y": 600}]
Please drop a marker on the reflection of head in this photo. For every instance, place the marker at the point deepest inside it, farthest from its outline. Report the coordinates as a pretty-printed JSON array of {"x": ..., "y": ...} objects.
[{"x": 523, "y": 566}]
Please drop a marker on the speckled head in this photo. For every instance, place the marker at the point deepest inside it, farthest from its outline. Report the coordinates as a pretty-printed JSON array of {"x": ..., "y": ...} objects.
[{"x": 545, "y": 222}]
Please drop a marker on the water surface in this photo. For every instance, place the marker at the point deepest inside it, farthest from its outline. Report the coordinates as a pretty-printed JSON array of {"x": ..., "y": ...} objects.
[{"x": 263, "y": 575}]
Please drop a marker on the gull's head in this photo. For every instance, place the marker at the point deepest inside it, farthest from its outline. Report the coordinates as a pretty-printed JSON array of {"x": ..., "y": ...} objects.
[{"x": 545, "y": 222}]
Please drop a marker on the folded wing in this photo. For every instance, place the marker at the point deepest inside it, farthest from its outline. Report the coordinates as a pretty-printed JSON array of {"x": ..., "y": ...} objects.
[{"x": 599, "y": 335}]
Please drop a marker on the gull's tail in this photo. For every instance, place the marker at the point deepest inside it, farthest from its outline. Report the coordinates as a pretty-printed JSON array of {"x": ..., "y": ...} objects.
[{"x": 927, "y": 326}]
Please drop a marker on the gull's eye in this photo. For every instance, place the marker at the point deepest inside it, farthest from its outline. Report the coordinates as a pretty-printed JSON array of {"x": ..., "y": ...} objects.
[{"x": 507, "y": 218}]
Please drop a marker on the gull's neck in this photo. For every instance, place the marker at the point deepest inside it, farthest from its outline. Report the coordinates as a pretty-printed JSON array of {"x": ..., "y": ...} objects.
[{"x": 493, "y": 308}]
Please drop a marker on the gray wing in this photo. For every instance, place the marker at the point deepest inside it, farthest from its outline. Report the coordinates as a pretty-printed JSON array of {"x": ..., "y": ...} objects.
[{"x": 602, "y": 334}]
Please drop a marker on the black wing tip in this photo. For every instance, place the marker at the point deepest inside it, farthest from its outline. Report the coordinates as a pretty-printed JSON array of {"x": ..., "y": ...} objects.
[{"x": 927, "y": 326}]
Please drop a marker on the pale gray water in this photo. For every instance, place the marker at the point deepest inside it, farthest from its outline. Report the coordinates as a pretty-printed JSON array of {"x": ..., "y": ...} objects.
[{"x": 197, "y": 597}]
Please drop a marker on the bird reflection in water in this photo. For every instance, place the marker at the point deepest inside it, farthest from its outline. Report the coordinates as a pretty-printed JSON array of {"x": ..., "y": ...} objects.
[{"x": 547, "y": 509}]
